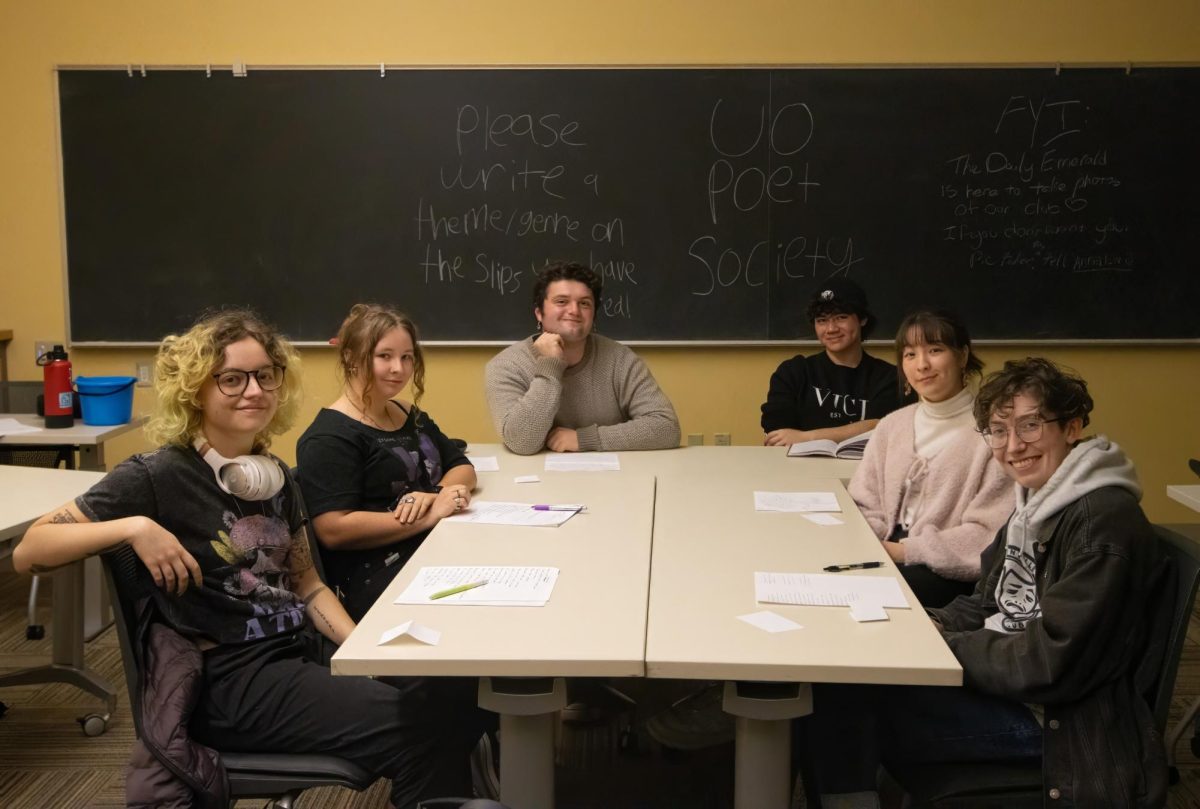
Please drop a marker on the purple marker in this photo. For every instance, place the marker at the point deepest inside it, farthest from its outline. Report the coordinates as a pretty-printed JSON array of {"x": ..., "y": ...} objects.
[{"x": 561, "y": 507}]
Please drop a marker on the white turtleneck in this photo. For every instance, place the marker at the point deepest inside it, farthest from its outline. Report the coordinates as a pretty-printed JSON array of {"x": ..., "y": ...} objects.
[{"x": 934, "y": 427}]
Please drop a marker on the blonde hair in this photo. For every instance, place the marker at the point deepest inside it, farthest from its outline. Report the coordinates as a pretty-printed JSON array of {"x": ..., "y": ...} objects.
[
  {"x": 186, "y": 361},
  {"x": 361, "y": 331}
]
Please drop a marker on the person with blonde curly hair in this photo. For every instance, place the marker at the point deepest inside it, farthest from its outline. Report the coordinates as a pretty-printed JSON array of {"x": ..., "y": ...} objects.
[
  {"x": 216, "y": 522},
  {"x": 377, "y": 472}
]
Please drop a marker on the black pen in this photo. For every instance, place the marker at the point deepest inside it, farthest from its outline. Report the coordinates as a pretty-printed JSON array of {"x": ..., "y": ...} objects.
[{"x": 855, "y": 566}]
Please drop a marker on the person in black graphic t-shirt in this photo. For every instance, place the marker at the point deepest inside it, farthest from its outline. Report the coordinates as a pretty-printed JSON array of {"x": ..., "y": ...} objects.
[
  {"x": 215, "y": 520},
  {"x": 841, "y": 392}
]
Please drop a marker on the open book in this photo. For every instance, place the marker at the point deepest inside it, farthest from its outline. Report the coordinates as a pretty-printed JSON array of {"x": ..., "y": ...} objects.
[{"x": 852, "y": 448}]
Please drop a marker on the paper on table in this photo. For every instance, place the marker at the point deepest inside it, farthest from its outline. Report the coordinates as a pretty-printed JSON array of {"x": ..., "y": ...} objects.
[
  {"x": 582, "y": 462},
  {"x": 414, "y": 630},
  {"x": 823, "y": 519},
  {"x": 489, "y": 512},
  {"x": 527, "y": 479},
  {"x": 796, "y": 501},
  {"x": 867, "y": 610},
  {"x": 819, "y": 589},
  {"x": 485, "y": 463},
  {"x": 14, "y": 427},
  {"x": 506, "y": 586},
  {"x": 770, "y": 621}
]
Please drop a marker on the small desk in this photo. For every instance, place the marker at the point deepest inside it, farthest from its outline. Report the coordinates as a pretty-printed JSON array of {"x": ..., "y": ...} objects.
[
  {"x": 1187, "y": 495},
  {"x": 593, "y": 626},
  {"x": 27, "y": 493},
  {"x": 86, "y": 438},
  {"x": 89, "y": 441}
]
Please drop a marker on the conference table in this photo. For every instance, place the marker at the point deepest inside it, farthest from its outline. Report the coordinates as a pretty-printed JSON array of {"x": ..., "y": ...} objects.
[
  {"x": 27, "y": 493},
  {"x": 654, "y": 574}
]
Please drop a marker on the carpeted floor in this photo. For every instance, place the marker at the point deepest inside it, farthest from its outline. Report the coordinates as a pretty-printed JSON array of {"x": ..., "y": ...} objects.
[{"x": 47, "y": 763}]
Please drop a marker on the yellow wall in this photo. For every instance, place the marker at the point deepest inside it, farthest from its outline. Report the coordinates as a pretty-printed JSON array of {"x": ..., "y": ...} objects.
[{"x": 1146, "y": 396}]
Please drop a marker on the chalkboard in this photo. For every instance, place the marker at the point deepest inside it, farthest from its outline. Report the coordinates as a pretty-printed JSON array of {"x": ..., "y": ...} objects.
[{"x": 1039, "y": 205}]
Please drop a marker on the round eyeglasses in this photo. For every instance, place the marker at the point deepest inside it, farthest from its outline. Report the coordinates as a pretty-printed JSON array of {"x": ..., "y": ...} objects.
[
  {"x": 234, "y": 381},
  {"x": 1028, "y": 431}
]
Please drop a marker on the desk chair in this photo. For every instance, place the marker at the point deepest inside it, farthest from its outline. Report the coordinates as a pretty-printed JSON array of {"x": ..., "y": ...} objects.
[
  {"x": 1015, "y": 785},
  {"x": 280, "y": 777}
]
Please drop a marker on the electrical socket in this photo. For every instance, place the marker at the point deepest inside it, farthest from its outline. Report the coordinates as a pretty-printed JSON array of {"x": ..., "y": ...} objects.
[
  {"x": 145, "y": 375},
  {"x": 721, "y": 439},
  {"x": 41, "y": 347},
  {"x": 695, "y": 439}
]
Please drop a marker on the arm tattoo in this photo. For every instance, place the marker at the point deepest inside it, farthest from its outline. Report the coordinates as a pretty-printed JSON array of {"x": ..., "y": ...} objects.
[
  {"x": 308, "y": 599},
  {"x": 317, "y": 610},
  {"x": 63, "y": 516},
  {"x": 301, "y": 560}
]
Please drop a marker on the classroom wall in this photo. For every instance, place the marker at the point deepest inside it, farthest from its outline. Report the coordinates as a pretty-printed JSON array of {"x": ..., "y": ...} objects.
[{"x": 1146, "y": 395}]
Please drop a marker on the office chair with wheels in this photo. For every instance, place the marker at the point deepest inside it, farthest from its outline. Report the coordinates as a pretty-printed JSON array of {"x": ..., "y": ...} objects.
[
  {"x": 280, "y": 777},
  {"x": 1018, "y": 784}
]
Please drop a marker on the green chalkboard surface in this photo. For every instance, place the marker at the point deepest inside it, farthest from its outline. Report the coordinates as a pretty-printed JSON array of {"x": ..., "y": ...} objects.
[{"x": 1039, "y": 205}]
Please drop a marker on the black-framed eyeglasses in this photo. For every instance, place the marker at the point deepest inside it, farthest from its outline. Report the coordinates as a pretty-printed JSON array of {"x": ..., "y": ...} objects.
[
  {"x": 1028, "y": 431},
  {"x": 234, "y": 381}
]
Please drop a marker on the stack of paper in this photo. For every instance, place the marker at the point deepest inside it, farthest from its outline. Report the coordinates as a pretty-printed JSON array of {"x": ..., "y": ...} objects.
[
  {"x": 489, "y": 512},
  {"x": 582, "y": 462},
  {"x": 796, "y": 501},
  {"x": 506, "y": 586},
  {"x": 835, "y": 589}
]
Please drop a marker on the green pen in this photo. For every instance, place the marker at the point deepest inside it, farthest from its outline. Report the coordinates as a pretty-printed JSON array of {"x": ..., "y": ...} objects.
[{"x": 462, "y": 588}]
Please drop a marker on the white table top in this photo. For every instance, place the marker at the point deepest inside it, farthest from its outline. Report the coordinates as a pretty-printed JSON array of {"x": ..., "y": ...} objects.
[
  {"x": 708, "y": 543},
  {"x": 1188, "y": 495},
  {"x": 79, "y": 435},
  {"x": 594, "y": 624},
  {"x": 27, "y": 493}
]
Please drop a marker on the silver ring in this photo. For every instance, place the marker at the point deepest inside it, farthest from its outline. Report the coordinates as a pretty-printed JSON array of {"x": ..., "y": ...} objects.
[
  {"x": 457, "y": 506},
  {"x": 409, "y": 500}
]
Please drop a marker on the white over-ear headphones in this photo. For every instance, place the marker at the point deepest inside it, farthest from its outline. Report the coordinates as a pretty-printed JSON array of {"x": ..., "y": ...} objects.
[{"x": 250, "y": 477}]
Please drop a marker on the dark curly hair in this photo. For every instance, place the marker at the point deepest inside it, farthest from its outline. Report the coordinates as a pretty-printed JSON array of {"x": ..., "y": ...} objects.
[
  {"x": 566, "y": 271},
  {"x": 1063, "y": 393}
]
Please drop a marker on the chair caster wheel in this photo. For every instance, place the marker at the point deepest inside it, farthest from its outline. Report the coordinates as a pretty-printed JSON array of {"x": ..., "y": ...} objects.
[
  {"x": 35, "y": 632},
  {"x": 93, "y": 724}
]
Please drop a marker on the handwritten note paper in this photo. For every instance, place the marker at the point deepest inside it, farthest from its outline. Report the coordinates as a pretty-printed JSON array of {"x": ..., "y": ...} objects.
[
  {"x": 582, "y": 462},
  {"x": 796, "y": 501},
  {"x": 819, "y": 589},
  {"x": 506, "y": 586},
  {"x": 486, "y": 512},
  {"x": 823, "y": 519}
]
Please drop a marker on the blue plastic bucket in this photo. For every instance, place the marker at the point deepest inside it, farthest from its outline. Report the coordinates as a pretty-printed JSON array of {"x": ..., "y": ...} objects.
[{"x": 106, "y": 399}]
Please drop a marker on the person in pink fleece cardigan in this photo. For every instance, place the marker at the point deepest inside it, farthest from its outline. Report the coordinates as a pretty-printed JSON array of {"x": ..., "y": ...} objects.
[{"x": 927, "y": 484}]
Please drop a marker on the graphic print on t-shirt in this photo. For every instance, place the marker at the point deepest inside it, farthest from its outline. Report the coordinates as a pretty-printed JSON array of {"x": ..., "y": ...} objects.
[
  {"x": 1016, "y": 595},
  {"x": 840, "y": 405},
  {"x": 422, "y": 466},
  {"x": 257, "y": 547}
]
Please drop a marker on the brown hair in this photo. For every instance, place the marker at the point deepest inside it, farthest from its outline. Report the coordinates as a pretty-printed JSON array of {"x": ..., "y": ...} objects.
[
  {"x": 1062, "y": 391},
  {"x": 361, "y": 331},
  {"x": 936, "y": 326}
]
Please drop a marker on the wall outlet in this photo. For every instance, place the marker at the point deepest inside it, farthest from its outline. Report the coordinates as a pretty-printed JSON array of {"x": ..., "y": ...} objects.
[
  {"x": 41, "y": 347},
  {"x": 721, "y": 439},
  {"x": 695, "y": 439},
  {"x": 145, "y": 375}
]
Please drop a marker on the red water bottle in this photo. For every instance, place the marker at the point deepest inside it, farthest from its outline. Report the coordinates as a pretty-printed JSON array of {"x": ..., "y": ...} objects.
[{"x": 56, "y": 388}]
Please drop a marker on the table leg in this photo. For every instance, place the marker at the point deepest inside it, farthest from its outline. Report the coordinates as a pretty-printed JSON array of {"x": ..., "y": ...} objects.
[
  {"x": 527, "y": 707},
  {"x": 763, "y": 740},
  {"x": 97, "y": 613},
  {"x": 66, "y": 662}
]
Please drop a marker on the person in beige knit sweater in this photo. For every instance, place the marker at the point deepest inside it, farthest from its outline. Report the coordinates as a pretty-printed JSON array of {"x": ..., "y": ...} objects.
[
  {"x": 569, "y": 390},
  {"x": 927, "y": 484}
]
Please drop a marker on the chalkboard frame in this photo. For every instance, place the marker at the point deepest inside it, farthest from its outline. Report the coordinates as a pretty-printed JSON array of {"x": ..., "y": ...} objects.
[{"x": 384, "y": 68}]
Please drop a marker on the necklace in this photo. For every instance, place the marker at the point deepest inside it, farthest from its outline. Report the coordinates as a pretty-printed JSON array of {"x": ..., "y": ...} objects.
[{"x": 368, "y": 419}]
